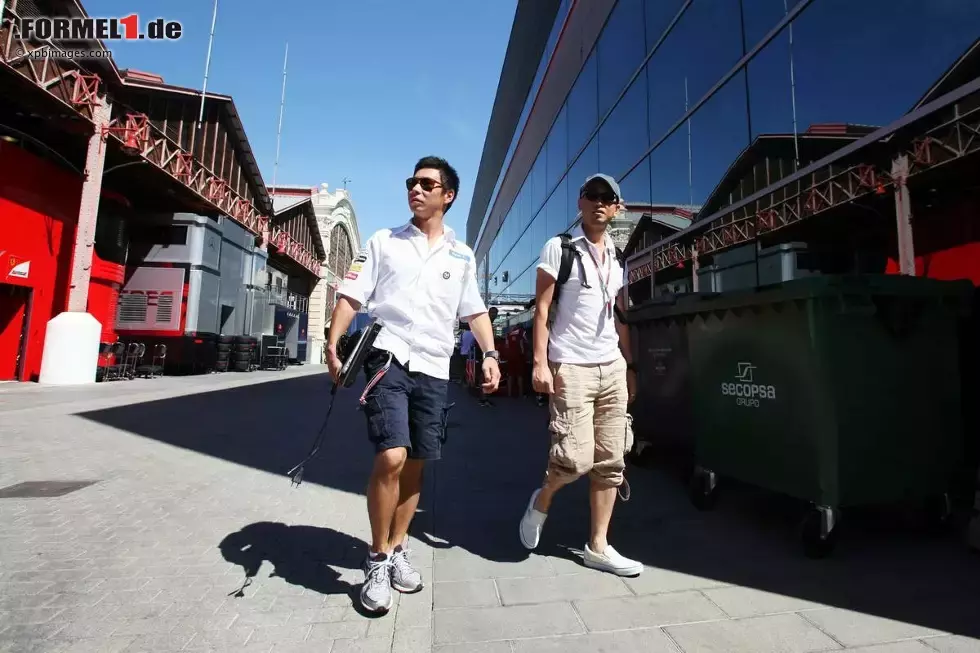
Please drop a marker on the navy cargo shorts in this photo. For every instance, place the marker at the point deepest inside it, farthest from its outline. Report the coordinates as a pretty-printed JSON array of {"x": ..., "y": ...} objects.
[{"x": 405, "y": 409}]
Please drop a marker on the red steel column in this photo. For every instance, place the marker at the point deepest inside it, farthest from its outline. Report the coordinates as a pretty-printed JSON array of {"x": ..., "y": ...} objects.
[{"x": 88, "y": 210}]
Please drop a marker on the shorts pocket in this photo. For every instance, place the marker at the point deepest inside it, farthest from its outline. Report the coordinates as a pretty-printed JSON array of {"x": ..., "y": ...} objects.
[
  {"x": 444, "y": 424},
  {"x": 565, "y": 451},
  {"x": 374, "y": 410}
]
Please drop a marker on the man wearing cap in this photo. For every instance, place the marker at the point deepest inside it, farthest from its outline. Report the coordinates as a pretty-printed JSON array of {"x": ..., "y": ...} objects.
[{"x": 583, "y": 361}]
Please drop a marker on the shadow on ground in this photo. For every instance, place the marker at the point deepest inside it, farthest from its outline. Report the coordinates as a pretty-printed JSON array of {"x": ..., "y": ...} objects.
[
  {"x": 884, "y": 564},
  {"x": 300, "y": 555}
]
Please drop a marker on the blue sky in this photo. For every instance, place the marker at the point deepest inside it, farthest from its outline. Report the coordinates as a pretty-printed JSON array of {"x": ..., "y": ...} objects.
[{"x": 371, "y": 85}]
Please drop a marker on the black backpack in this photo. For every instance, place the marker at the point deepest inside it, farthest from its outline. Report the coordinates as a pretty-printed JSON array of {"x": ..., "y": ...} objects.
[{"x": 570, "y": 254}]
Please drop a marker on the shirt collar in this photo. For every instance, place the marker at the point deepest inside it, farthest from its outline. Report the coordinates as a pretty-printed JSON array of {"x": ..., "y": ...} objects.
[
  {"x": 410, "y": 228},
  {"x": 579, "y": 234}
]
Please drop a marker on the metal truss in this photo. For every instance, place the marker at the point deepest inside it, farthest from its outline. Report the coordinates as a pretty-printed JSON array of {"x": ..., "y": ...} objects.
[
  {"x": 507, "y": 298},
  {"x": 57, "y": 76},
  {"x": 138, "y": 135},
  {"x": 821, "y": 191},
  {"x": 81, "y": 93},
  {"x": 285, "y": 243}
]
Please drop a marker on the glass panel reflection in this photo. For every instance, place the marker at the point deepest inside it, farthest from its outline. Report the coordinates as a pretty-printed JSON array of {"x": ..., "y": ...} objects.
[
  {"x": 586, "y": 165},
  {"x": 636, "y": 185},
  {"x": 873, "y": 67},
  {"x": 680, "y": 73},
  {"x": 557, "y": 149},
  {"x": 583, "y": 110},
  {"x": 623, "y": 137},
  {"x": 620, "y": 51},
  {"x": 719, "y": 133},
  {"x": 670, "y": 182}
]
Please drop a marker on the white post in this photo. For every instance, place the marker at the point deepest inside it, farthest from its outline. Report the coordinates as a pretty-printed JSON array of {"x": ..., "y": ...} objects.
[
  {"x": 207, "y": 65},
  {"x": 282, "y": 106},
  {"x": 71, "y": 342}
]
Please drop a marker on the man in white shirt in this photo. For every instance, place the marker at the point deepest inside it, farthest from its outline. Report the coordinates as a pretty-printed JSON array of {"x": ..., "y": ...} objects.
[
  {"x": 418, "y": 278},
  {"x": 584, "y": 362}
]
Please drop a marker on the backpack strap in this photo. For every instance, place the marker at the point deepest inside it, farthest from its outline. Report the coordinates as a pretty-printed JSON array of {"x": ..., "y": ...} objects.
[
  {"x": 621, "y": 257},
  {"x": 569, "y": 255}
]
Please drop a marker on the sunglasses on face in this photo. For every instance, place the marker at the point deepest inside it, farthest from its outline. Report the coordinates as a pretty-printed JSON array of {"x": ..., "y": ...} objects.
[
  {"x": 596, "y": 195},
  {"x": 427, "y": 184}
]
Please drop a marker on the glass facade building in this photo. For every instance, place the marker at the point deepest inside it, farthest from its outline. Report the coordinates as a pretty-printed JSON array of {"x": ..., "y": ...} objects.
[{"x": 672, "y": 91}]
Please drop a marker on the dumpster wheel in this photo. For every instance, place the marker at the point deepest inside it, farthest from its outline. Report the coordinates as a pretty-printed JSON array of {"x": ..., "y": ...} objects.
[
  {"x": 819, "y": 532},
  {"x": 939, "y": 513},
  {"x": 703, "y": 488}
]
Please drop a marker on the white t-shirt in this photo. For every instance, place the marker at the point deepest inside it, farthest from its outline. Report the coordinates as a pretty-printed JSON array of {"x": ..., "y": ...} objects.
[
  {"x": 583, "y": 331},
  {"x": 416, "y": 292}
]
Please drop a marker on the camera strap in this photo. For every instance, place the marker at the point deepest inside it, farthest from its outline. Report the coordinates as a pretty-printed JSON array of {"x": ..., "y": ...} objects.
[{"x": 374, "y": 379}]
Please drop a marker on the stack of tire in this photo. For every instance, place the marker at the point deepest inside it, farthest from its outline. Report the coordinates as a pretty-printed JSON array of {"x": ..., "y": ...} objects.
[
  {"x": 244, "y": 357},
  {"x": 236, "y": 353},
  {"x": 225, "y": 346}
]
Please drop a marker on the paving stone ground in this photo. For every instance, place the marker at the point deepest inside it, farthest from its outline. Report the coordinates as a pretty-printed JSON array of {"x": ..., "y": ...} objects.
[{"x": 190, "y": 538}]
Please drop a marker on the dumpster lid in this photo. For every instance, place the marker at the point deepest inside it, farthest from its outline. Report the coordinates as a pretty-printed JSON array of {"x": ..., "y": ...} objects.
[{"x": 869, "y": 285}]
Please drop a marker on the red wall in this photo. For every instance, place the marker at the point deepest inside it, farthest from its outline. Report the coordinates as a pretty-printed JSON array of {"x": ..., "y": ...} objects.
[
  {"x": 38, "y": 210},
  {"x": 947, "y": 244}
]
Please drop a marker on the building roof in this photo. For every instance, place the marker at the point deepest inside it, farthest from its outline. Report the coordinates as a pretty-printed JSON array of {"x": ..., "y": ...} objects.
[
  {"x": 675, "y": 217},
  {"x": 155, "y": 83},
  {"x": 965, "y": 69},
  {"x": 815, "y": 143},
  {"x": 306, "y": 207}
]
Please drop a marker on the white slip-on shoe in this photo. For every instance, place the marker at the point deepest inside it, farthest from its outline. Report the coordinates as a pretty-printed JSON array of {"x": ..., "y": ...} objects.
[
  {"x": 532, "y": 523},
  {"x": 610, "y": 560}
]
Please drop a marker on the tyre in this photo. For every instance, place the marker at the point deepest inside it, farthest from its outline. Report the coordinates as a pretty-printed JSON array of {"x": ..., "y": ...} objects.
[
  {"x": 241, "y": 366},
  {"x": 223, "y": 346},
  {"x": 938, "y": 514},
  {"x": 223, "y": 356},
  {"x": 703, "y": 489}
]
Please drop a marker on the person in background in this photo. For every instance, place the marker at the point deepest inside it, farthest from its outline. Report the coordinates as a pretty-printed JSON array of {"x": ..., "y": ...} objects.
[
  {"x": 584, "y": 362},
  {"x": 416, "y": 279},
  {"x": 516, "y": 357},
  {"x": 484, "y": 395}
]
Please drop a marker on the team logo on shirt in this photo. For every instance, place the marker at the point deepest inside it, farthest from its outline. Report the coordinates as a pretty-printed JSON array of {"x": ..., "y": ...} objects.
[{"x": 445, "y": 275}]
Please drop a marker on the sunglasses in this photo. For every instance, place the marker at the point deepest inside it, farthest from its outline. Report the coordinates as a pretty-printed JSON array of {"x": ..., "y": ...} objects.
[
  {"x": 596, "y": 195},
  {"x": 427, "y": 184}
]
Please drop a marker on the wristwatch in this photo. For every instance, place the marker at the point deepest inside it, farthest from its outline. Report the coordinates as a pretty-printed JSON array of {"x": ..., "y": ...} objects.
[{"x": 493, "y": 353}]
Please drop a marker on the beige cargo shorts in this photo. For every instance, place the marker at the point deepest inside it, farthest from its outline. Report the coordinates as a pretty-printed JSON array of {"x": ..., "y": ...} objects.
[{"x": 591, "y": 432}]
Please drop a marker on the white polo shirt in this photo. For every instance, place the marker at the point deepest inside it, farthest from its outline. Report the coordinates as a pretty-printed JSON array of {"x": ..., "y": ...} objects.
[
  {"x": 583, "y": 332},
  {"x": 416, "y": 292}
]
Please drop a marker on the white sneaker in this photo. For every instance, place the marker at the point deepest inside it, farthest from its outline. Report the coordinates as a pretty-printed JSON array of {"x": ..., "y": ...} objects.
[
  {"x": 610, "y": 560},
  {"x": 532, "y": 523}
]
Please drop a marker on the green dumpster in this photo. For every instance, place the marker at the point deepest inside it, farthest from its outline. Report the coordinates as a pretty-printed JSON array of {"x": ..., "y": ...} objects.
[{"x": 840, "y": 391}]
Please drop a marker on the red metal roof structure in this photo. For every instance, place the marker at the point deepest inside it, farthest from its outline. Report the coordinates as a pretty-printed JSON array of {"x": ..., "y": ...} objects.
[{"x": 207, "y": 168}]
